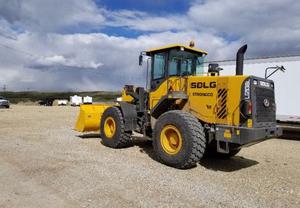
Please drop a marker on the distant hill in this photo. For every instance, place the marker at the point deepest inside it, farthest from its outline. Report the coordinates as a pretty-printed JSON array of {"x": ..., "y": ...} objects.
[{"x": 33, "y": 96}]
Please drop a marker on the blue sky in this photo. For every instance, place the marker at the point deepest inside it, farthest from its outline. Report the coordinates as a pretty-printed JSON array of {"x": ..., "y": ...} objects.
[
  {"x": 94, "y": 44},
  {"x": 159, "y": 7},
  {"x": 154, "y": 7}
]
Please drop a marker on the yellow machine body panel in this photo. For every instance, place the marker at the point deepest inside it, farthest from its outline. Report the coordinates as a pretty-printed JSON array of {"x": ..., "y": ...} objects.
[
  {"x": 202, "y": 98},
  {"x": 212, "y": 99},
  {"x": 125, "y": 97},
  {"x": 215, "y": 99},
  {"x": 173, "y": 84},
  {"x": 156, "y": 95},
  {"x": 89, "y": 117}
]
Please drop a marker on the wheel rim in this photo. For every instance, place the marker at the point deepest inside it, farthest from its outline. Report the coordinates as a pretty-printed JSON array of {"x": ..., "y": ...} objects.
[
  {"x": 171, "y": 139},
  {"x": 109, "y": 127}
]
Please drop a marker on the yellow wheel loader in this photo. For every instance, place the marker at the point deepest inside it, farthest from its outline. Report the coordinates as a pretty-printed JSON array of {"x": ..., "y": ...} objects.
[{"x": 186, "y": 112}]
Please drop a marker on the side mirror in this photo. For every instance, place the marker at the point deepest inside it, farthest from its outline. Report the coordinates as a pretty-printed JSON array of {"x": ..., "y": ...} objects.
[
  {"x": 282, "y": 69},
  {"x": 141, "y": 60},
  {"x": 275, "y": 69},
  {"x": 214, "y": 69}
]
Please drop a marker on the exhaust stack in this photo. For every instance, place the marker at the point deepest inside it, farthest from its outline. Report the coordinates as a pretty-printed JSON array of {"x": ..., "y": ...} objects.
[{"x": 240, "y": 60}]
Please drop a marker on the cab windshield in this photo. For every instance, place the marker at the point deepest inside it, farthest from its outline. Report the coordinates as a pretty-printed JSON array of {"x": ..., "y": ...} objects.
[{"x": 183, "y": 63}]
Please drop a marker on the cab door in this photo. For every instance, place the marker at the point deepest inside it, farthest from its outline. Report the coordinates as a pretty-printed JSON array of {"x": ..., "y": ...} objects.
[
  {"x": 158, "y": 73},
  {"x": 158, "y": 82}
]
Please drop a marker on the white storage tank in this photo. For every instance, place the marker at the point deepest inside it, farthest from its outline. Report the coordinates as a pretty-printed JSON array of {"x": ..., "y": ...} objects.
[
  {"x": 75, "y": 100},
  {"x": 62, "y": 102},
  {"x": 87, "y": 100}
]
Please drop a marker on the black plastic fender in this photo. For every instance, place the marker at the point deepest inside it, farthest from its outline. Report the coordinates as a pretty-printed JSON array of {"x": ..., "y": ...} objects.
[{"x": 130, "y": 115}]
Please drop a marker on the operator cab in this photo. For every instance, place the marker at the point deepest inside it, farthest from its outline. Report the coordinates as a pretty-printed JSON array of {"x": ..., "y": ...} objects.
[{"x": 174, "y": 60}]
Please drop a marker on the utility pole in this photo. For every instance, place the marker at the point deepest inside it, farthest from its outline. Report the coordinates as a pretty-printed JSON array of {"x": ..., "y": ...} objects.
[{"x": 4, "y": 88}]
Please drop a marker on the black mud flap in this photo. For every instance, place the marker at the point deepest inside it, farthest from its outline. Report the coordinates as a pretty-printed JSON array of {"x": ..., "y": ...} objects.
[{"x": 130, "y": 115}]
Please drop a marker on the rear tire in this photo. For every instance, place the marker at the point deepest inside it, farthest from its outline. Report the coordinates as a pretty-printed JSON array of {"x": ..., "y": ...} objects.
[
  {"x": 112, "y": 129},
  {"x": 183, "y": 127}
]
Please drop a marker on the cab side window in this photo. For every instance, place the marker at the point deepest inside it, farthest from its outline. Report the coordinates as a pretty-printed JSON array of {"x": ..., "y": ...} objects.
[
  {"x": 159, "y": 66},
  {"x": 173, "y": 66},
  {"x": 186, "y": 67}
]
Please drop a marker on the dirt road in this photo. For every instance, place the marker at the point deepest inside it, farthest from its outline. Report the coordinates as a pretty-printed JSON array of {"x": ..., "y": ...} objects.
[{"x": 44, "y": 163}]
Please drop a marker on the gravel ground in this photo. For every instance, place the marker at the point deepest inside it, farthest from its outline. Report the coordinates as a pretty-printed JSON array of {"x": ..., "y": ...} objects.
[{"x": 45, "y": 163}]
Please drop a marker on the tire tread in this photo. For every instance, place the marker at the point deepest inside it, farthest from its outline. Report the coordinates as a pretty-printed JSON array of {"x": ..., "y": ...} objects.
[
  {"x": 197, "y": 137},
  {"x": 125, "y": 137}
]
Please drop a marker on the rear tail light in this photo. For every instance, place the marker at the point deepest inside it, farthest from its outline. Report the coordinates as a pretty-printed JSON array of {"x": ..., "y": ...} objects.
[{"x": 247, "y": 108}]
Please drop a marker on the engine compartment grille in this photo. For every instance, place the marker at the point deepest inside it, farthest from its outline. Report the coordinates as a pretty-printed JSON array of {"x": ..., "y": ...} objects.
[{"x": 265, "y": 113}]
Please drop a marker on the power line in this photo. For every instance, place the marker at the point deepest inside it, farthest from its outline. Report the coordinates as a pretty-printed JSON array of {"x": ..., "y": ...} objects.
[
  {"x": 7, "y": 36},
  {"x": 256, "y": 58},
  {"x": 262, "y": 59},
  {"x": 18, "y": 50},
  {"x": 259, "y": 60}
]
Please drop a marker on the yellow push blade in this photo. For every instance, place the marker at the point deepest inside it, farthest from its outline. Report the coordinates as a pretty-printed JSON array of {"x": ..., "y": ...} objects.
[{"x": 89, "y": 117}]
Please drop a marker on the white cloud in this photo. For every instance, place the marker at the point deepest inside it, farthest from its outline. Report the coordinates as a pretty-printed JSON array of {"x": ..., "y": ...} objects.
[
  {"x": 61, "y": 61},
  {"x": 269, "y": 26},
  {"x": 266, "y": 25},
  {"x": 144, "y": 22},
  {"x": 58, "y": 59},
  {"x": 51, "y": 16},
  {"x": 6, "y": 31},
  {"x": 44, "y": 55}
]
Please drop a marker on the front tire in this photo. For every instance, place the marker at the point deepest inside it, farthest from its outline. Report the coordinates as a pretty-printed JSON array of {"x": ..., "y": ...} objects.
[
  {"x": 179, "y": 139},
  {"x": 112, "y": 129}
]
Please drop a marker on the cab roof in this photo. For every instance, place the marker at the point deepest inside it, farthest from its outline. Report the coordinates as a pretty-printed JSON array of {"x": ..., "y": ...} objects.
[{"x": 174, "y": 46}]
